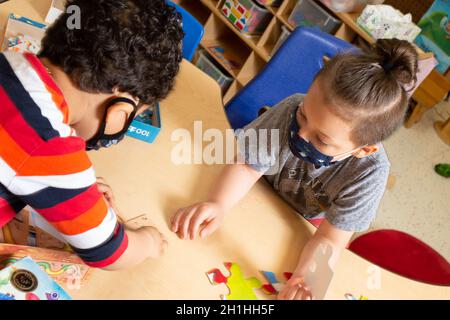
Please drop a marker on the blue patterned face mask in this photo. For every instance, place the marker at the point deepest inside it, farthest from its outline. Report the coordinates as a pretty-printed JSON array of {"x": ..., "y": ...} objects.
[{"x": 303, "y": 149}]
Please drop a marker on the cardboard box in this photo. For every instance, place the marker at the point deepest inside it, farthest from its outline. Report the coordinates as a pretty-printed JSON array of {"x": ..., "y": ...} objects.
[
  {"x": 146, "y": 126},
  {"x": 22, "y": 26}
]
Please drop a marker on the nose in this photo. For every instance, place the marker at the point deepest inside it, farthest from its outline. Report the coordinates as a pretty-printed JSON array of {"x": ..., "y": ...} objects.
[{"x": 304, "y": 134}]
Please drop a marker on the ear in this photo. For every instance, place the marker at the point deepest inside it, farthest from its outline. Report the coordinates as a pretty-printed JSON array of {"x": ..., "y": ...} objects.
[
  {"x": 366, "y": 151},
  {"x": 117, "y": 117}
]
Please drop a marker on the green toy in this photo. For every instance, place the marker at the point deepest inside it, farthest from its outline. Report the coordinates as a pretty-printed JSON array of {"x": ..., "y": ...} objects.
[{"x": 443, "y": 169}]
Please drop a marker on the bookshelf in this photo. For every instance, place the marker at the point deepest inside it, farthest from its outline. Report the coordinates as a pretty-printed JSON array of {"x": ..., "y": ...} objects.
[{"x": 251, "y": 53}]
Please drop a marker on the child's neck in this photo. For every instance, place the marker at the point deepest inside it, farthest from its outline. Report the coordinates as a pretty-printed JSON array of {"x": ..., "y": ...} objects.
[{"x": 84, "y": 107}]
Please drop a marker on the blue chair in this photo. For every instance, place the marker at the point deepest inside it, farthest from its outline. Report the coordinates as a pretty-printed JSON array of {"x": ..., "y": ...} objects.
[
  {"x": 193, "y": 32},
  {"x": 290, "y": 71}
]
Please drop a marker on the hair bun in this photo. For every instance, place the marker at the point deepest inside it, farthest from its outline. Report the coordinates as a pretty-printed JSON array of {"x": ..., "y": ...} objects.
[{"x": 399, "y": 59}]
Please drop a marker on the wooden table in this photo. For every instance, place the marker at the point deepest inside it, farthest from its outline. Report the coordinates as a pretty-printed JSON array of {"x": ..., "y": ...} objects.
[{"x": 261, "y": 233}]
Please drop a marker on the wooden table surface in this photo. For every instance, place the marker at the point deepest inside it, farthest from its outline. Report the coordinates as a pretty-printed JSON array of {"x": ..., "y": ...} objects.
[{"x": 261, "y": 233}]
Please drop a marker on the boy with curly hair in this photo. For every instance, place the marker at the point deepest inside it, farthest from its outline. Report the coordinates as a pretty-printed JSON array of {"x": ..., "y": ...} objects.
[{"x": 80, "y": 93}]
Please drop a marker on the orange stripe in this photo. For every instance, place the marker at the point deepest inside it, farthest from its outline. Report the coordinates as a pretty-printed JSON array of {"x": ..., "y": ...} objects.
[
  {"x": 60, "y": 102},
  {"x": 56, "y": 165},
  {"x": 10, "y": 151},
  {"x": 84, "y": 222}
]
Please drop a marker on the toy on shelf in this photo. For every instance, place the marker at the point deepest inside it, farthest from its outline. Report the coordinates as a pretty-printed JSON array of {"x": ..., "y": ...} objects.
[
  {"x": 25, "y": 280},
  {"x": 226, "y": 58},
  {"x": 247, "y": 16}
]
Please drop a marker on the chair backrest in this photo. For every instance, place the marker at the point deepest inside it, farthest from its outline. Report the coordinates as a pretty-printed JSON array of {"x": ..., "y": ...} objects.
[
  {"x": 193, "y": 32},
  {"x": 403, "y": 254},
  {"x": 290, "y": 71}
]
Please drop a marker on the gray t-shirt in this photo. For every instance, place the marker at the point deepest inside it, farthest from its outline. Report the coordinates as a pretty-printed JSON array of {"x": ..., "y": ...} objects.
[{"x": 347, "y": 193}]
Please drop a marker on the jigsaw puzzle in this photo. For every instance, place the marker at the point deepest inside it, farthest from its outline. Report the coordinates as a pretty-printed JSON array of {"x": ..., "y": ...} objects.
[
  {"x": 240, "y": 288},
  {"x": 274, "y": 286}
]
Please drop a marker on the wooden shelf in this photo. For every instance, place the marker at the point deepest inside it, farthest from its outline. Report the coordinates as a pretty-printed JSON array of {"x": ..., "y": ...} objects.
[
  {"x": 250, "y": 41},
  {"x": 201, "y": 13},
  {"x": 246, "y": 56}
]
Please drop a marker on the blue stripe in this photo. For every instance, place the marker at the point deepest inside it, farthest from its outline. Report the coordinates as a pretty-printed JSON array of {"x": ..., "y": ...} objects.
[
  {"x": 51, "y": 196},
  {"x": 15, "y": 203},
  {"x": 23, "y": 102},
  {"x": 105, "y": 250}
]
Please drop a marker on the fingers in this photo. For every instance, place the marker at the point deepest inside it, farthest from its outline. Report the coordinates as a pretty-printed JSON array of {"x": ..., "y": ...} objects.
[
  {"x": 295, "y": 289},
  {"x": 185, "y": 221},
  {"x": 104, "y": 188},
  {"x": 209, "y": 228},
  {"x": 175, "y": 221},
  {"x": 196, "y": 221}
]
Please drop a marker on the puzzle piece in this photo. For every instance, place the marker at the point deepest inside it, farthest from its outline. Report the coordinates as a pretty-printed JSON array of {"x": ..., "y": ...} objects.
[
  {"x": 349, "y": 296},
  {"x": 240, "y": 288},
  {"x": 274, "y": 286}
]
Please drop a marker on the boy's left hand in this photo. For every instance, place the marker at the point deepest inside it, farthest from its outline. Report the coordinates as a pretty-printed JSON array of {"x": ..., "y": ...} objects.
[{"x": 295, "y": 289}]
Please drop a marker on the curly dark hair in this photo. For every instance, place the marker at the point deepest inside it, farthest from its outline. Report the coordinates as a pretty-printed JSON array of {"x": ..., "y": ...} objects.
[{"x": 131, "y": 45}]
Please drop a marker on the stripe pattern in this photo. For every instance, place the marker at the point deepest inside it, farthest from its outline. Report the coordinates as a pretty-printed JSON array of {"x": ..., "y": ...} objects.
[{"x": 44, "y": 165}]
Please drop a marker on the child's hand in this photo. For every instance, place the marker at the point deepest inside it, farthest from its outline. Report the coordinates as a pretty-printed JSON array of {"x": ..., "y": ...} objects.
[
  {"x": 155, "y": 242},
  {"x": 295, "y": 289},
  {"x": 199, "y": 219},
  {"x": 107, "y": 192}
]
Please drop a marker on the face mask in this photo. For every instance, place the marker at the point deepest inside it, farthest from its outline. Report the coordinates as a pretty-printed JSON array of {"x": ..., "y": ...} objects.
[
  {"x": 102, "y": 140},
  {"x": 304, "y": 150}
]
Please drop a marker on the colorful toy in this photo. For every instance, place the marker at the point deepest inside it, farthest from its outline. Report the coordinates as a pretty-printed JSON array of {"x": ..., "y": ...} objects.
[
  {"x": 240, "y": 288},
  {"x": 64, "y": 267},
  {"x": 249, "y": 17},
  {"x": 349, "y": 296},
  {"x": 22, "y": 43},
  {"x": 274, "y": 286},
  {"x": 435, "y": 33},
  {"x": 225, "y": 57},
  {"x": 27, "y": 281},
  {"x": 443, "y": 169}
]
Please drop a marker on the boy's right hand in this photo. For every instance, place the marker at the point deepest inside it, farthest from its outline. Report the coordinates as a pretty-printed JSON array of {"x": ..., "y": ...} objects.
[
  {"x": 199, "y": 219},
  {"x": 155, "y": 243}
]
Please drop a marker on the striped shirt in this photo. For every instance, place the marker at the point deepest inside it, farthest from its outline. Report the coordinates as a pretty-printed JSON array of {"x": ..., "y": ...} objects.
[{"x": 44, "y": 164}]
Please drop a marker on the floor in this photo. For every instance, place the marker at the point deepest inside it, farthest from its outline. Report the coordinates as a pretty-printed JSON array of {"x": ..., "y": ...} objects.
[{"x": 417, "y": 200}]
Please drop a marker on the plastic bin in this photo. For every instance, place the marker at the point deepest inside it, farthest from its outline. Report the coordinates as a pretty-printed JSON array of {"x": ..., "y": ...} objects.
[
  {"x": 308, "y": 13},
  {"x": 247, "y": 16},
  {"x": 205, "y": 64},
  {"x": 285, "y": 33},
  {"x": 349, "y": 5}
]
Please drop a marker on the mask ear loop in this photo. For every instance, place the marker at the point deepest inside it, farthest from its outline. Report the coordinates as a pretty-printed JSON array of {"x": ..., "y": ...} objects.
[{"x": 101, "y": 131}]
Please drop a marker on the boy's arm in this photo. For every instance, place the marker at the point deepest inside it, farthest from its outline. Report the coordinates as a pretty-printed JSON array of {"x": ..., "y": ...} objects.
[
  {"x": 58, "y": 181},
  {"x": 204, "y": 218},
  {"x": 327, "y": 234}
]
